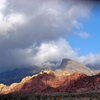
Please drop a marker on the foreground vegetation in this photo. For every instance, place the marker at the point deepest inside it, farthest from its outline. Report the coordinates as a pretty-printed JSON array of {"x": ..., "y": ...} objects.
[{"x": 55, "y": 96}]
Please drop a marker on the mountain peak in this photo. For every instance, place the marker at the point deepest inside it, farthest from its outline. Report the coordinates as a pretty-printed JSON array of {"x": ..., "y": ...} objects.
[
  {"x": 73, "y": 66},
  {"x": 65, "y": 60}
]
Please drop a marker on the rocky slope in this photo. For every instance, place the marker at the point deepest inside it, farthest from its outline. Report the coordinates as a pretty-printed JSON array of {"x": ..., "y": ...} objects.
[
  {"x": 67, "y": 64},
  {"x": 74, "y": 66},
  {"x": 51, "y": 82}
]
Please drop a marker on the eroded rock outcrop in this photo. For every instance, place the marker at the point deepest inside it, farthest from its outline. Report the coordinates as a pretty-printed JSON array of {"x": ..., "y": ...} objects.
[{"x": 50, "y": 82}]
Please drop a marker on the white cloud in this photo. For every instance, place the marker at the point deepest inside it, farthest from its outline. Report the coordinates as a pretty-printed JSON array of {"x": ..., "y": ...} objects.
[
  {"x": 49, "y": 19},
  {"x": 2, "y": 4},
  {"x": 25, "y": 23},
  {"x": 46, "y": 53},
  {"x": 90, "y": 59},
  {"x": 84, "y": 35},
  {"x": 54, "y": 51},
  {"x": 11, "y": 22}
]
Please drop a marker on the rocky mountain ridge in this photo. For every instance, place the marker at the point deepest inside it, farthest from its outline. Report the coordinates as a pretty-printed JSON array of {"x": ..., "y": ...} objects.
[
  {"x": 74, "y": 66},
  {"x": 66, "y": 65},
  {"x": 51, "y": 82}
]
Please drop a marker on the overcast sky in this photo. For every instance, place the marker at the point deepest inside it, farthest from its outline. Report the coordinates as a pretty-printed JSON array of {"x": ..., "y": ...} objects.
[{"x": 37, "y": 32}]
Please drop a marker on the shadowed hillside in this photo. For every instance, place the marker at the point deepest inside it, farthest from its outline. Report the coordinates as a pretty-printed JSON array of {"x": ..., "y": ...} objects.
[{"x": 52, "y": 82}]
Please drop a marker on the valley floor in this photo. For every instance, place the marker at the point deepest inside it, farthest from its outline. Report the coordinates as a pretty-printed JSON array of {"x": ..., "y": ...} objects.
[{"x": 55, "y": 96}]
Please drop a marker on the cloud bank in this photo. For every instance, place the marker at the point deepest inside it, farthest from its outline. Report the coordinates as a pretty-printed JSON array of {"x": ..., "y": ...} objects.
[{"x": 34, "y": 32}]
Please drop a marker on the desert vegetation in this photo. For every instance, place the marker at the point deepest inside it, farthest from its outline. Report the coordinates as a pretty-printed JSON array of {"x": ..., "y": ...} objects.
[{"x": 55, "y": 96}]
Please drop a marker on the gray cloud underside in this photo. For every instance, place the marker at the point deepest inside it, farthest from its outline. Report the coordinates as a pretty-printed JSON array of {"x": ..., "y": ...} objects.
[{"x": 33, "y": 32}]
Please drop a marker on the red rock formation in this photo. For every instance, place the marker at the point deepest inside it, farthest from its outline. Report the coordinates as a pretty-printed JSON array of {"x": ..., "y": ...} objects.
[
  {"x": 50, "y": 82},
  {"x": 85, "y": 84}
]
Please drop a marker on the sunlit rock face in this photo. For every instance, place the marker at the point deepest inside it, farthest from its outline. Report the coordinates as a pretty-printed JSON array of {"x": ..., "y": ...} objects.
[
  {"x": 54, "y": 81},
  {"x": 67, "y": 67},
  {"x": 73, "y": 66}
]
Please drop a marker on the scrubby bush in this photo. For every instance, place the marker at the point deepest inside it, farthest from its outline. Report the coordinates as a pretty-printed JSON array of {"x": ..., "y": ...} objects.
[{"x": 56, "y": 96}]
